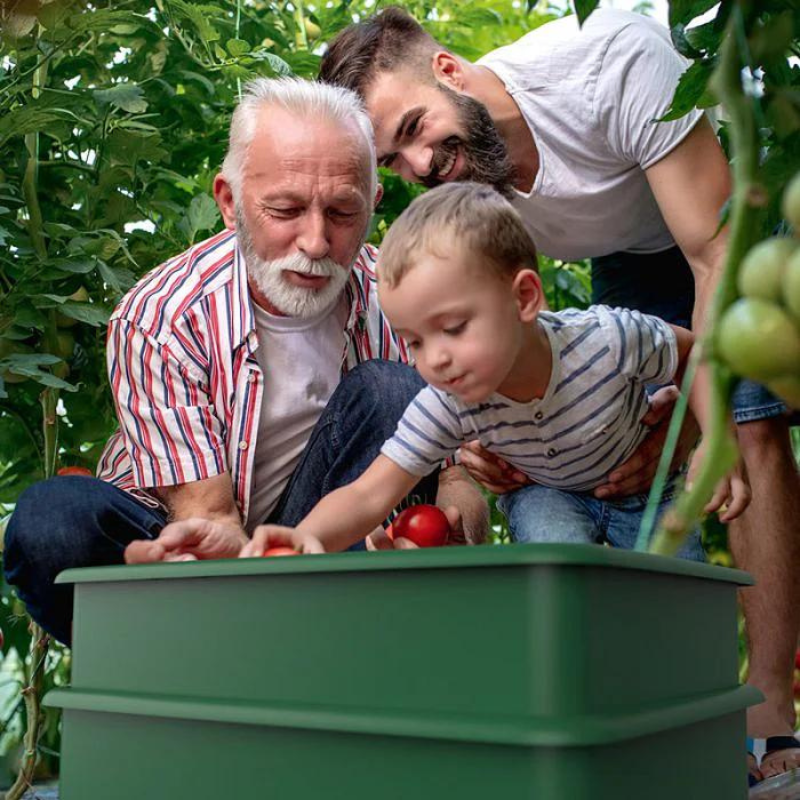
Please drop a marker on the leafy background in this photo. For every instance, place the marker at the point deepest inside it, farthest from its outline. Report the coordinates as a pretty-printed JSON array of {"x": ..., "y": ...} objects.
[{"x": 113, "y": 123}]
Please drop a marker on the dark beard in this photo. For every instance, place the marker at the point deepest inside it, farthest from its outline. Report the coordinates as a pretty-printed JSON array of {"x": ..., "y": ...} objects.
[{"x": 485, "y": 154}]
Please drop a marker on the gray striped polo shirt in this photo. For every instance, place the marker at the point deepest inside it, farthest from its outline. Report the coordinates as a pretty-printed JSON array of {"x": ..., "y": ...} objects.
[{"x": 587, "y": 423}]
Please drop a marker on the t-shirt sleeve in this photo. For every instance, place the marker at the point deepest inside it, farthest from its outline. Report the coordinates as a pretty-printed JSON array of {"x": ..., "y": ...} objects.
[
  {"x": 428, "y": 433},
  {"x": 647, "y": 350},
  {"x": 636, "y": 83},
  {"x": 167, "y": 421}
]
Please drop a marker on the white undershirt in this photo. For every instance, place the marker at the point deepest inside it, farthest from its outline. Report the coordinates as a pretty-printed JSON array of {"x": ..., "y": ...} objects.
[{"x": 301, "y": 361}]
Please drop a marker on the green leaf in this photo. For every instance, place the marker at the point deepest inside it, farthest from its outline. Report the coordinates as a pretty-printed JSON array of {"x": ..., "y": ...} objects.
[
  {"x": 691, "y": 89},
  {"x": 78, "y": 266},
  {"x": 202, "y": 215},
  {"x": 684, "y": 11},
  {"x": 89, "y": 313},
  {"x": 237, "y": 47},
  {"x": 127, "y": 96},
  {"x": 278, "y": 65},
  {"x": 583, "y": 8},
  {"x": 199, "y": 16},
  {"x": 100, "y": 20},
  {"x": 128, "y": 147}
]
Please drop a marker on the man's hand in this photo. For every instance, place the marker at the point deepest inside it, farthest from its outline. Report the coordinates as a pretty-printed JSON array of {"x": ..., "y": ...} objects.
[
  {"x": 379, "y": 539},
  {"x": 491, "y": 471},
  {"x": 732, "y": 494},
  {"x": 188, "y": 540},
  {"x": 636, "y": 474},
  {"x": 268, "y": 536}
]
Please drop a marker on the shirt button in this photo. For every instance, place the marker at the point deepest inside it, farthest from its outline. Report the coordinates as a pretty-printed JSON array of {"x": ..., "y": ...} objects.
[
  {"x": 243, "y": 445},
  {"x": 538, "y": 415},
  {"x": 251, "y": 378},
  {"x": 552, "y": 452}
]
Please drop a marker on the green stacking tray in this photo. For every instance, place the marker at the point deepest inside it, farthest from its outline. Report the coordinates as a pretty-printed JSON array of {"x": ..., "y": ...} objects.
[{"x": 554, "y": 672}]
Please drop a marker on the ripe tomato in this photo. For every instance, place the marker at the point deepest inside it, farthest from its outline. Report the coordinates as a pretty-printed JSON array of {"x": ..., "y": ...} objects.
[
  {"x": 75, "y": 471},
  {"x": 425, "y": 525},
  {"x": 280, "y": 551}
]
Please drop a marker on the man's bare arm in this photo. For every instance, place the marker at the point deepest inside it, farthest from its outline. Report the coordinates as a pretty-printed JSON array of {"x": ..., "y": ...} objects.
[
  {"x": 691, "y": 185},
  {"x": 458, "y": 490},
  {"x": 204, "y": 523}
]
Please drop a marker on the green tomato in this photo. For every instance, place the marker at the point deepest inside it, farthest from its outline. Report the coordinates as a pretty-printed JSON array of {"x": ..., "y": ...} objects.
[
  {"x": 791, "y": 202},
  {"x": 8, "y": 348},
  {"x": 759, "y": 340},
  {"x": 312, "y": 29},
  {"x": 791, "y": 286},
  {"x": 761, "y": 271},
  {"x": 788, "y": 389}
]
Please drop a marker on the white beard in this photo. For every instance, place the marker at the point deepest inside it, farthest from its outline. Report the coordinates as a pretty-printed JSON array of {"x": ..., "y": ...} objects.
[{"x": 293, "y": 301}]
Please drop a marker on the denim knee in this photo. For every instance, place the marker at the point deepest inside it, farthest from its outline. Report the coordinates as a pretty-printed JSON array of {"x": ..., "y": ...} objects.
[{"x": 377, "y": 389}]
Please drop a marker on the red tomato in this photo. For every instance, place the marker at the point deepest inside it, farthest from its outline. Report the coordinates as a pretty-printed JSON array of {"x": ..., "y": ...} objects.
[
  {"x": 280, "y": 551},
  {"x": 75, "y": 471},
  {"x": 426, "y": 526}
]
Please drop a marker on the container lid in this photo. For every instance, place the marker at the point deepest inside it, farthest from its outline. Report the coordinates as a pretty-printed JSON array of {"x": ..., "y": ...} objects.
[
  {"x": 493, "y": 556},
  {"x": 564, "y": 731}
]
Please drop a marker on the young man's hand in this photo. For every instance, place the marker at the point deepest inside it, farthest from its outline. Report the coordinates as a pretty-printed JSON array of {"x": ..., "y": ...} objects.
[
  {"x": 489, "y": 470},
  {"x": 188, "y": 540},
  {"x": 636, "y": 474},
  {"x": 732, "y": 494},
  {"x": 266, "y": 537}
]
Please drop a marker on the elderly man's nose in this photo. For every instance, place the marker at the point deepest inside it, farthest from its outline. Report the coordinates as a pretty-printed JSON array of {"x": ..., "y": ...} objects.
[{"x": 313, "y": 236}]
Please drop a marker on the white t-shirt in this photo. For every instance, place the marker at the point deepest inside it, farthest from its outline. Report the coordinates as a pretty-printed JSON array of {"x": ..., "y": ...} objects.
[
  {"x": 589, "y": 96},
  {"x": 301, "y": 360}
]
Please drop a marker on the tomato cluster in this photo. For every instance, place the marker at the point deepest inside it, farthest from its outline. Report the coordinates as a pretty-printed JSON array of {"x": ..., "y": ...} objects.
[{"x": 759, "y": 334}]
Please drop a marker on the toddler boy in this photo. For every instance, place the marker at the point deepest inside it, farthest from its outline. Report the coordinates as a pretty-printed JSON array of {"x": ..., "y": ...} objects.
[{"x": 560, "y": 396}]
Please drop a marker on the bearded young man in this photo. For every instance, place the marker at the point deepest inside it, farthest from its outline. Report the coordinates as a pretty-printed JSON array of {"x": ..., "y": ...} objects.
[
  {"x": 252, "y": 374},
  {"x": 562, "y": 122}
]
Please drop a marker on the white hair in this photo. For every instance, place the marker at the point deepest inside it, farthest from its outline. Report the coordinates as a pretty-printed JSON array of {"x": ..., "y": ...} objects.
[{"x": 303, "y": 98}]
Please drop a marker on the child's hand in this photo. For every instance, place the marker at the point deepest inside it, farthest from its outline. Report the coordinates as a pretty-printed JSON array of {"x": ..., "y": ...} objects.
[
  {"x": 731, "y": 495},
  {"x": 268, "y": 536}
]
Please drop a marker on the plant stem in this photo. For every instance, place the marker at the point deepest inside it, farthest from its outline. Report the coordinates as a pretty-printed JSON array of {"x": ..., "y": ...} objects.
[
  {"x": 747, "y": 200},
  {"x": 32, "y": 693}
]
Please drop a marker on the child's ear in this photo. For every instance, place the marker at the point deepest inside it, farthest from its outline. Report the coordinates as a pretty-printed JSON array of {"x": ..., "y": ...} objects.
[{"x": 527, "y": 288}]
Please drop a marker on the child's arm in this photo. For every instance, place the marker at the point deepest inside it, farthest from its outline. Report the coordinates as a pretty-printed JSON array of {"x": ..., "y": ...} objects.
[
  {"x": 732, "y": 494},
  {"x": 344, "y": 516}
]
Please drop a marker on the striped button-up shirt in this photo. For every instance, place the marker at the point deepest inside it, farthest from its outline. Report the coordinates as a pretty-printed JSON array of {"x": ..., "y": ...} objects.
[{"x": 186, "y": 383}]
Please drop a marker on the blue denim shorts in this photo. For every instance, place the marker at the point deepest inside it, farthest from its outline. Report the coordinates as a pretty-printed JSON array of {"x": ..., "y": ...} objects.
[
  {"x": 662, "y": 284},
  {"x": 538, "y": 513}
]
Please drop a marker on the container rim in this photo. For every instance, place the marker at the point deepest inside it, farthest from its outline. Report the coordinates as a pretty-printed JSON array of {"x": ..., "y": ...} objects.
[
  {"x": 566, "y": 731},
  {"x": 568, "y": 555}
]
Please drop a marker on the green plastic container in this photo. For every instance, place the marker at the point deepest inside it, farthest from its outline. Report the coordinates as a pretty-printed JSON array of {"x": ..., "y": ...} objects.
[{"x": 555, "y": 672}]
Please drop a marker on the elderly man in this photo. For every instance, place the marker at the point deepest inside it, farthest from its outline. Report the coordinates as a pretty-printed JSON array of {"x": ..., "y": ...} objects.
[
  {"x": 561, "y": 121},
  {"x": 252, "y": 374}
]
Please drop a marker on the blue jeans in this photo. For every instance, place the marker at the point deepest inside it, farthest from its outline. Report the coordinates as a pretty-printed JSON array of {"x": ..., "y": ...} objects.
[
  {"x": 538, "y": 513},
  {"x": 662, "y": 284},
  {"x": 74, "y": 521}
]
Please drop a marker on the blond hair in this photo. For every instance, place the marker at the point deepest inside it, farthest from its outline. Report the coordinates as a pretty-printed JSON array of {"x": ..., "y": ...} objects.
[{"x": 469, "y": 216}]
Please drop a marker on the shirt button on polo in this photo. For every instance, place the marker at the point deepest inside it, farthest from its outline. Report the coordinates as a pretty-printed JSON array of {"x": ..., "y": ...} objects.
[
  {"x": 243, "y": 445},
  {"x": 251, "y": 378},
  {"x": 538, "y": 415},
  {"x": 552, "y": 452}
]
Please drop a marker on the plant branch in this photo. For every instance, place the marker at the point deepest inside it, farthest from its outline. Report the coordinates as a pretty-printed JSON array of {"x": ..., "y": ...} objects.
[{"x": 747, "y": 200}]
